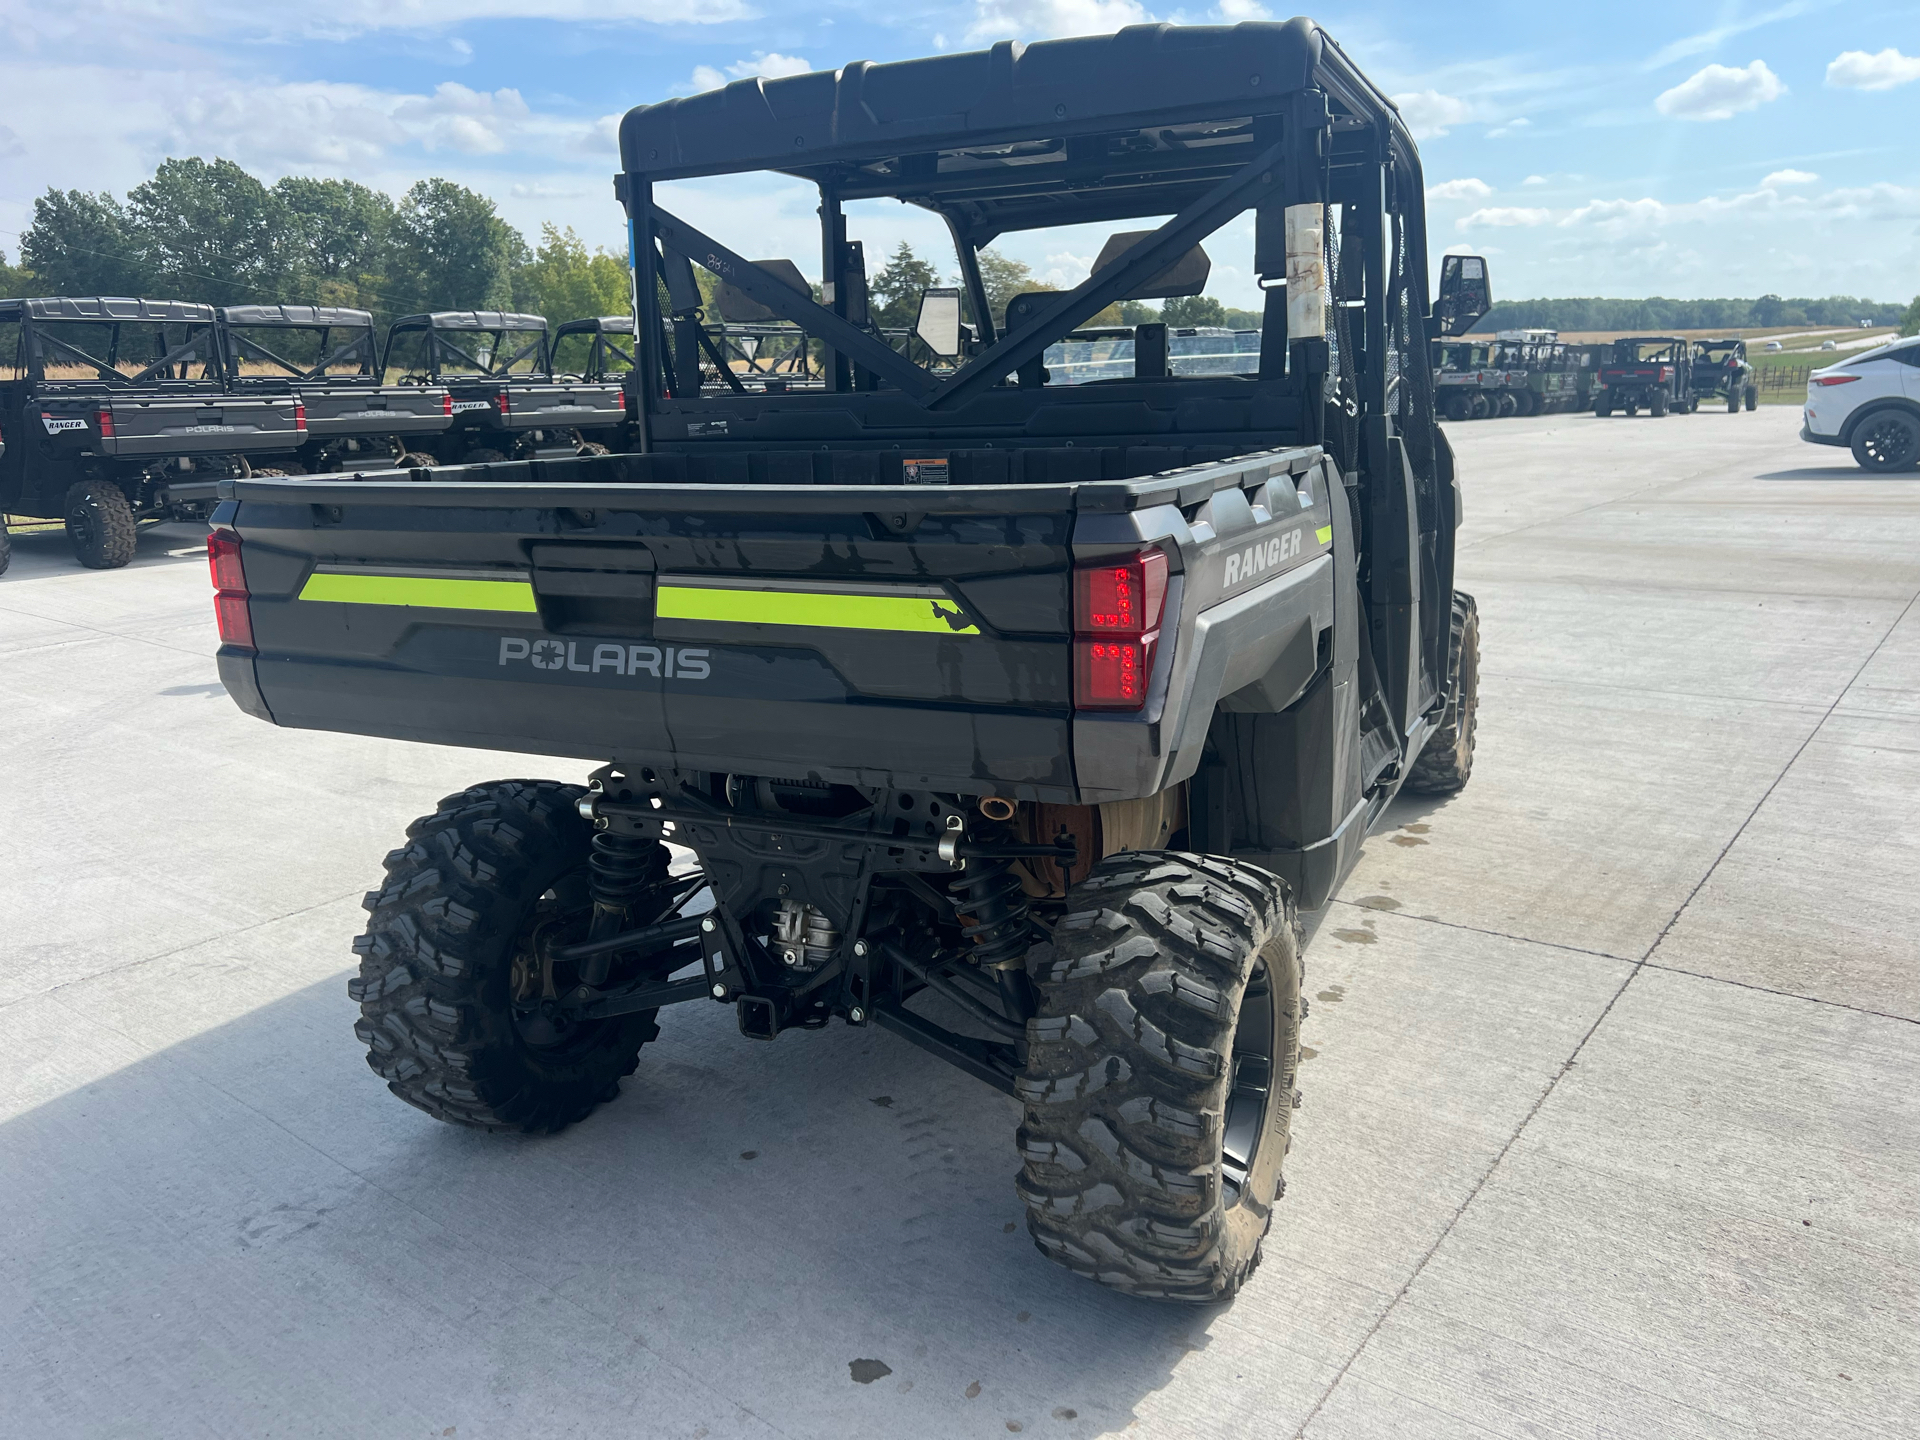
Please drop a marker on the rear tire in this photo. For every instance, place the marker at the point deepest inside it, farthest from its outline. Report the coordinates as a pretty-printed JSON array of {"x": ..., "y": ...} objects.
[
  {"x": 415, "y": 460},
  {"x": 1482, "y": 406},
  {"x": 6, "y": 550},
  {"x": 1886, "y": 440},
  {"x": 1603, "y": 407},
  {"x": 1459, "y": 407},
  {"x": 1658, "y": 407},
  {"x": 99, "y": 524},
  {"x": 447, "y": 992},
  {"x": 592, "y": 447},
  {"x": 1733, "y": 402},
  {"x": 1159, "y": 1085},
  {"x": 1753, "y": 399},
  {"x": 1505, "y": 406},
  {"x": 1446, "y": 764}
]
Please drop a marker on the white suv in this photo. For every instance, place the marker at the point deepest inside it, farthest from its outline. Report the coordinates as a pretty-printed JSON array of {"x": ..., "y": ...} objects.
[{"x": 1870, "y": 403}]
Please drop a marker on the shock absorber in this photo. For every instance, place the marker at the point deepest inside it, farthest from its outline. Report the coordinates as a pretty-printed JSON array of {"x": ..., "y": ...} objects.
[
  {"x": 993, "y": 908},
  {"x": 621, "y": 869}
]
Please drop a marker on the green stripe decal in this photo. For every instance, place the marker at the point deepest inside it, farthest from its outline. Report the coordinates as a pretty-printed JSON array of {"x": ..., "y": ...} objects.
[
  {"x": 421, "y": 592},
  {"x": 1323, "y": 534},
  {"x": 808, "y": 607}
]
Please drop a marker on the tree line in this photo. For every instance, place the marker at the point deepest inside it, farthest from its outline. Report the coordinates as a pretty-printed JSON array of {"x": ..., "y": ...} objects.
[
  {"x": 206, "y": 230},
  {"x": 1657, "y": 314}
]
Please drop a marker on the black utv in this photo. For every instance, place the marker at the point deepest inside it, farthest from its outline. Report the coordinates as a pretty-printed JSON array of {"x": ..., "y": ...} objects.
[
  {"x": 1650, "y": 372},
  {"x": 1019, "y": 717},
  {"x": 1721, "y": 371},
  {"x": 506, "y": 401},
  {"x": 118, "y": 413},
  {"x": 329, "y": 356}
]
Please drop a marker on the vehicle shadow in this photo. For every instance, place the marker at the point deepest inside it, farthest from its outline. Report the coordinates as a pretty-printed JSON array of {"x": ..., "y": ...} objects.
[
  {"x": 1837, "y": 472},
  {"x": 41, "y": 553},
  {"x": 251, "y": 1226}
]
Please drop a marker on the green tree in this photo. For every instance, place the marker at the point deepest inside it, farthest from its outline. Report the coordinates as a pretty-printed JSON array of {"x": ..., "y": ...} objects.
[
  {"x": 1193, "y": 310},
  {"x": 15, "y": 280},
  {"x": 82, "y": 244},
  {"x": 893, "y": 294},
  {"x": 337, "y": 236},
  {"x": 450, "y": 251},
  {"x": 1910, "y": 318},
  {"x": 563, "y": 282},
  {"x": 210, "y": 232},
  {"x": 1004, "y": 277}
]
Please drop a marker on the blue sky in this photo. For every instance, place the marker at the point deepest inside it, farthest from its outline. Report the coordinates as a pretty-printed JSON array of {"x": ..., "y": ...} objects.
[{"x": 1625, "y": 149}]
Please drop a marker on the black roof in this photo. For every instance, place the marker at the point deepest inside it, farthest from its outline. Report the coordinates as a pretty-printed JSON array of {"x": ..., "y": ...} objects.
[
  {"x": 597, "y": 324},
  {"x": 107, "y": 307},
  {"x": 328, "y": 315},
  {"x": 1149, "y": 75},
  {"x": 471, "y": 320}
]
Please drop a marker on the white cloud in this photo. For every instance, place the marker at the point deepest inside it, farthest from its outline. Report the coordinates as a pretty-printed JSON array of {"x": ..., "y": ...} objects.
[
  {"x": 769, "y": 63},
  {"x": 10, "y": 145},
  {"x": 1789, "y": 177},
  {"x": 1857, "y": 70},
  {"x": 1052, "y": 19},
  {"x": 1429, "y": 114},
  {"x": 1502, "y": 216},
  {"x": 1232, "y": 12},
  {"x": 1513, "y": 126},
  {"x": 1709, "y": 40},
  {"x": 1719, "y": 92},
  {"x": 1534, "y": 180},
  {"x": 1467, "y": 189}
]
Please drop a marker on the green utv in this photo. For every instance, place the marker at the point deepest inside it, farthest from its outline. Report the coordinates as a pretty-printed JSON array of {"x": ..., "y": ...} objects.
[{"x": 1016, "y": 716}]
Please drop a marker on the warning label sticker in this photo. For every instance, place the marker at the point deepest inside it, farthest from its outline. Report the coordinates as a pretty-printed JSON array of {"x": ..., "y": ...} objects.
[{"x": 924, "y": 472}]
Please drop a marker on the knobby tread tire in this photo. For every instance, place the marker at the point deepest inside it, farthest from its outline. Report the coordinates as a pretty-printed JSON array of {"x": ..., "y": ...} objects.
[
  {"x": 435, "y": 986},
  {"x": 1129, "y": 1064},
  {"x": 1446, "y": 763},
  {"x": 107, "y": 541}
]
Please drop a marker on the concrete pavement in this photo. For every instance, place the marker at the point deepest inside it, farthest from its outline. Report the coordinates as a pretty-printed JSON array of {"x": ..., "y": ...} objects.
[{"x": 1610, "y": 1124}]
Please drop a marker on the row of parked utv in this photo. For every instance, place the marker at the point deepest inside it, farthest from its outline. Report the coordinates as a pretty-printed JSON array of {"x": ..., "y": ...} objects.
[
  {"x": 119, "y": 412},
  {"x": 1534, "y": 372}
]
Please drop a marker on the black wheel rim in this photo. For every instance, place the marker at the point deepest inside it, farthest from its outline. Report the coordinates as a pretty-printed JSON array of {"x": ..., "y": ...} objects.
[
  {"x": 1889, "y": 443},
  {"x": 1250, "y": 1084},
  {"x": 80, "y": 522}
]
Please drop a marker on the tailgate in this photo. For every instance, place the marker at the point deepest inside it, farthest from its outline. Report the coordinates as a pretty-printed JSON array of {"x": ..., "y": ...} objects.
[
  {"x": 811, "y": 631},
  {"x": 581, "y": 404},
  {"x": 386, "y": 410},
  {"x": 201, "y": 424}
]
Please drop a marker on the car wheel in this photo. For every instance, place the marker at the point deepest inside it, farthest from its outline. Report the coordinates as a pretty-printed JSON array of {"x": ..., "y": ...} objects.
[{"x": 1886, "y": 440}]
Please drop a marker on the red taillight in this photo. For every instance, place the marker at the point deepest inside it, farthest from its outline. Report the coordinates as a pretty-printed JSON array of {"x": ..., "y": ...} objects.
[
  {"x": 229, "y": 589},
  {"x": 502, "y": 402},
  {"x": 104, "y": 419},
  {"x": 1834, "y": 379},
  {"x": 446, "y": 403},
  {"x": 1117, "y": 607},
  {"x": 299, "y": 414}
]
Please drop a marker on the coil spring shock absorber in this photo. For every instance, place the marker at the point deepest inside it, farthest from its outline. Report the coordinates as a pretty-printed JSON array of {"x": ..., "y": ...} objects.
[
  {"x": 993, "y": 905},
  {"x": 621, "y": 869}
]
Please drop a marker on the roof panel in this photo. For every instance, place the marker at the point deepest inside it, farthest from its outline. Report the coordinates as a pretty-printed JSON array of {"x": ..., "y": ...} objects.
[{"x": 1144, "y": 74}]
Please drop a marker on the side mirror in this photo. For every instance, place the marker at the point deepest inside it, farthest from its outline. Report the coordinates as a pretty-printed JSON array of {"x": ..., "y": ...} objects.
[
  {"x": 939, "y": 322},
  {"x": 1465, "y": 294}
]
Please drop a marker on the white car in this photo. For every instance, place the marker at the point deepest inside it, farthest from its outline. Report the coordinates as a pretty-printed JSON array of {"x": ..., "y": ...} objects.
[{"x": 1871, "y": 404}]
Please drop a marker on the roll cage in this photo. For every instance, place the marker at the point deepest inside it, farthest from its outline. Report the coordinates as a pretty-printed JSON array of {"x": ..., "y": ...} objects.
[
  {"x": 1197, "y": 123},
  {"x": 165, "y": 338},
  {"x": 339, "y": 336},
  {"x": 510, "y": 338}
]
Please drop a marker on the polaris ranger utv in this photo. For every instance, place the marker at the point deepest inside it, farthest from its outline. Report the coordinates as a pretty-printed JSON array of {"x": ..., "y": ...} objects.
[
  {"x": 1015, "y": 717},
  {"x": 330, "y": 357},
  {"x": 1651, "y": 370},
  {"x": 506, "y": 402},
  {"x": 119, "y": 415},
  {"x": 598, "y": 350},
  {"x": 1721, "y": 371}
]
